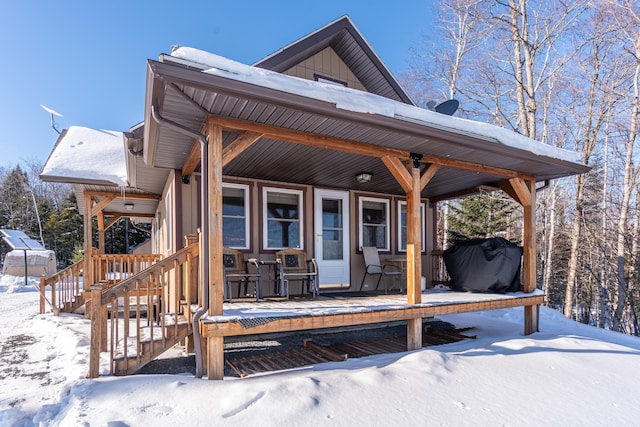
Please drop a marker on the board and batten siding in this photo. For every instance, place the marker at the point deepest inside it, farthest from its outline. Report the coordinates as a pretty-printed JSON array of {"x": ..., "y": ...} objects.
[{"x": 326, "y": 63}]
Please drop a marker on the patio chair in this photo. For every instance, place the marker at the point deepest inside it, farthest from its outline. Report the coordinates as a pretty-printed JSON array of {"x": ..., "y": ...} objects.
[
  {"x": 374, "y": 267},
  {"x": 293, "y": 265},
  {"x": 237, "y": 270}
]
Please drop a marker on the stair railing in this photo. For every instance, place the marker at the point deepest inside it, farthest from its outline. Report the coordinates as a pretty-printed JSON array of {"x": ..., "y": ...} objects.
[{"x": 143, "y": 315}]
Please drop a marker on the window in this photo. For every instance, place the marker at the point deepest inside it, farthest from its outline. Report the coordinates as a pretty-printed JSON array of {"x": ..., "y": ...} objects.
[
  {"x": 374, "y": 223},
  {"x": 329, "y": 80},
  {"x": 282, "y": 218},
  {"x": 402, "y": 225},
  {"x": 235, "y": 216}
]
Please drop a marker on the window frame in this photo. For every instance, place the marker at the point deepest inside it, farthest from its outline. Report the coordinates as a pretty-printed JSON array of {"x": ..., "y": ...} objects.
[
  {"x": 361, "y": 223},
  {"x": 423, "y": 223},
  {"x": 247, "y": 217},
  {"x": 265, "y": 217}
]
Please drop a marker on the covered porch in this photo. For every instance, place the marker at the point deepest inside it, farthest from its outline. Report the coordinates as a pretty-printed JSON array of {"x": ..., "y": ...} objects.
[{"x": 208, "y": 114}]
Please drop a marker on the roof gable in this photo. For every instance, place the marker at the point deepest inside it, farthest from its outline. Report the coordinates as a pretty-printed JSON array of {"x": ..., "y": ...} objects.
[
  {"x": 328, "y": 65},
  {"x": 351, "y": 47}
]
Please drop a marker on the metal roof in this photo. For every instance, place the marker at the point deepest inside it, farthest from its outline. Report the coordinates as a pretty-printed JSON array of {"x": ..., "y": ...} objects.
[{"x": 187, "y": 96}]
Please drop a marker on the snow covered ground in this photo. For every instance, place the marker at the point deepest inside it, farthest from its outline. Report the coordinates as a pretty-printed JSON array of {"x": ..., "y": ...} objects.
[{"x": 568, "y": 374}]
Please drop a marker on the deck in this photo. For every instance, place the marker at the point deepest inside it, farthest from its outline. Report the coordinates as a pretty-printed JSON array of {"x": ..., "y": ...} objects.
[{"x": 326, "y": 311}]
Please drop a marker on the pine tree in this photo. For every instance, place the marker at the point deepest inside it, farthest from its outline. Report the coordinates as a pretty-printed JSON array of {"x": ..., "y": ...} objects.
[{"x": 481, "y": 216}]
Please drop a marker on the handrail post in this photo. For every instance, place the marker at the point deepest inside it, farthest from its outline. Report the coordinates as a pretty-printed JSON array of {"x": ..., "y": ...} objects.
[
  {"x": 96, "y": 331},
  {"x": 42, "y": 294}
]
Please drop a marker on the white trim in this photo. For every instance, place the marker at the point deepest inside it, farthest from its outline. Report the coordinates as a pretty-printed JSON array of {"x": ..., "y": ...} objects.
[
  {"x": 265, "y": 216},
  {"x": 333, "y": 273},
  {"x": 247, "y": 213},
  {"x": 387, "y": 247},
  {"x": 423, "y": 213}
]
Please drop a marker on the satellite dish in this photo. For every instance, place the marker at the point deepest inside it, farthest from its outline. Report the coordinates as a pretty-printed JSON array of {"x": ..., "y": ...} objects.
[
  {"x": 447, "y": 107},
  {"x": 52, "y": 112}
]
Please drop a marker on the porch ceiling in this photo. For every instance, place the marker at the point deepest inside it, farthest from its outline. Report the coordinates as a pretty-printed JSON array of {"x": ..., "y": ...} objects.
[
  {"x": 144, "y": 204},
  {"x": 188, "y": 96}
]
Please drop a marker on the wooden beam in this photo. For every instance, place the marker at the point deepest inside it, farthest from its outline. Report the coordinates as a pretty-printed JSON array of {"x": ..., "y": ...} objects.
[
  {"x": 508, "y": 189},
  {"x": 129, "y": 215},
  {"x": 134, "y": 196},
  {"x": 101, "y": 232},
  {"x": 354, "y": 147},
  {"x": 428, "y": 174},
  {"x": 306, "y": 321},
  {"x": 98, "y": 207},
  {"x": 238, "y": 146},
  {"x": 521, "y": 188},
  {"x": 113, "y": 220},
  {"x": 399, "y": 172},
  {"x": 193, "y": 160}
]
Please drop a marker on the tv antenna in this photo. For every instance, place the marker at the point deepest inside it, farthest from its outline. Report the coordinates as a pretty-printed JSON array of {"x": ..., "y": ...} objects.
[{"x": 52, "y": 112}]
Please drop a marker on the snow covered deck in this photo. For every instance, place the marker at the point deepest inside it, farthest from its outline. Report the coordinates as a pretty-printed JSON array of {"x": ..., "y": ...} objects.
[{"x": 246, "y": 318}]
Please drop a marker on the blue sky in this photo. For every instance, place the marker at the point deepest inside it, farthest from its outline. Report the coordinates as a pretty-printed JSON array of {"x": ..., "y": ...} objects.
[{"x": 86, "y": 59}]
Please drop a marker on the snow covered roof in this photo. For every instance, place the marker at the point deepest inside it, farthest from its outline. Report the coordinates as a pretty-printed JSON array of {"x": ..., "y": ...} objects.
[
  {"x": 190, "y": 86},
  {"x": 87, "y": 156},
  {"x": 364, "y": 102}
]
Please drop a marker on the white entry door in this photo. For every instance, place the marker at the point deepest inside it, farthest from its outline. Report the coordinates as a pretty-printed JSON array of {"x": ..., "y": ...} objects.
[{"x": 331, "y": 219}]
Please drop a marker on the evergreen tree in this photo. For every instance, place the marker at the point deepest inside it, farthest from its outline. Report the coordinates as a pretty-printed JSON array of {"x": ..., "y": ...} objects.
[
  {"x": 14, "y": 201},
  {"x": 481, "y": 216},
  {"x": 63, "y": 230}
]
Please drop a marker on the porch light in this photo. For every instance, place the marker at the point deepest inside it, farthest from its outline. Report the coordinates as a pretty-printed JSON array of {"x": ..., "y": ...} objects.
[
  {"x": 128, "y": 206},
  {"x": 364, "y": 177}
]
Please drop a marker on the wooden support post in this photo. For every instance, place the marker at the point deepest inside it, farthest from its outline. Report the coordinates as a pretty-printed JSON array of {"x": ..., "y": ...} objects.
[
  {"x": 96, "y": 332},
  {"x": 42, "y": 290},
  {"x": 101, "y": 243},
  {"x": 215, "y": 355},
  {"x": 414, "y": 255},
  {"x": 214, "y": 216},
  {"x": 87, "y": 275},
  {"x": 524, "y": 192},
  {"x": 529, "y": 258}
]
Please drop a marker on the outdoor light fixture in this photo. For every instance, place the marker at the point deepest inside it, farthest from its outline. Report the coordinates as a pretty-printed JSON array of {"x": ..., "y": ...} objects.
[
  {"x": 128, "y": 206},
  {"x": 364, "y": 177}
]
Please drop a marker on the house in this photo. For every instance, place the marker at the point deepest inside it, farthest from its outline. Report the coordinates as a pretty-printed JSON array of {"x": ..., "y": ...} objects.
[{"x": 316, "y": 147}]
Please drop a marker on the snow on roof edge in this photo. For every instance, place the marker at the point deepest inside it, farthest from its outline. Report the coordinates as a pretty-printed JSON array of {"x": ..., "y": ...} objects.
[
  {"x": 88, "y": 154},
  {"x": 365, "y": 102}
]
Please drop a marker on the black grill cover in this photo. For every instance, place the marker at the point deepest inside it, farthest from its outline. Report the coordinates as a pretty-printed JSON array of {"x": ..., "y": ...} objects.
[{"x": 484, "y": 265}]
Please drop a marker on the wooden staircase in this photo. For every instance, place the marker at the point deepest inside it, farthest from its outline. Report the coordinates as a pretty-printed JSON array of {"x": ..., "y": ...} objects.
[
  {"x": 144, "y": 315},
  {"x": 127, "y": 360}
]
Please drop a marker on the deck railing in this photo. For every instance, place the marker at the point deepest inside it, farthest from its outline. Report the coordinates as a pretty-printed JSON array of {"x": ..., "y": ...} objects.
[
  {"x": 65, "y": 289},
  {"x": 143, "y": 315},
  {"x": 114, "y": 268},
  {"x": 67, "y": 286},
  {"x": 439, "y": 274}
]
